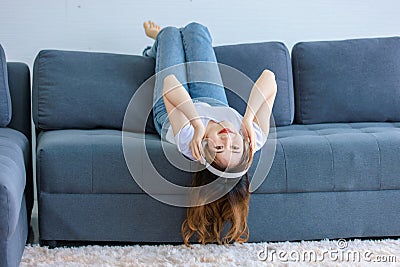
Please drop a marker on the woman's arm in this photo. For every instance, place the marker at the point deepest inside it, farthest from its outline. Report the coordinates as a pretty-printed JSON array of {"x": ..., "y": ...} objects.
[
  {"x": 181, "y": 111},
  {"x": 179, "y": 105},
  {"x": 264, "y": 88},
  {"x": 261, "y": 101},
  {"x": 263, "y": 115}
]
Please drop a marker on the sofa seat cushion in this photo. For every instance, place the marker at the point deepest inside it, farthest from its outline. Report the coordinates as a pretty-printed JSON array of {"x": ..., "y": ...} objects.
[
  {"x": 308, "y": 158},
  {"x": 92, "y": 161},
  {"x": 14, "y": 151},
  {"x": 335, "y": 157}
]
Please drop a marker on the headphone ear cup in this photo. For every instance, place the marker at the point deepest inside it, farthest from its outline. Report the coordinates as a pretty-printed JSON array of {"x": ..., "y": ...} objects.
[
  {"x": 203, "y": 145},
  {"x": 246, "y": 144},
  {"x": 205, "y": 150}
]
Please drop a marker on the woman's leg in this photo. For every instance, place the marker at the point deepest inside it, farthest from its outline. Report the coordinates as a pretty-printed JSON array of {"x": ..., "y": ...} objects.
[
  {"x": 197, "y": 43},
  {"x": 168, "y": 51}
]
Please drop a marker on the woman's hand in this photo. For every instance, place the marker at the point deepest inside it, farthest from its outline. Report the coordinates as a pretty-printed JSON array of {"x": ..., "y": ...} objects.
[
  {"x": 248, "y": 132},
  {"x": 195, "y": 144}
]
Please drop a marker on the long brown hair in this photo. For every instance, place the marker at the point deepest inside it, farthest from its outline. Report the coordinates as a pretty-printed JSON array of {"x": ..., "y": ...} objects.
[{"x": 208, "y": 220}]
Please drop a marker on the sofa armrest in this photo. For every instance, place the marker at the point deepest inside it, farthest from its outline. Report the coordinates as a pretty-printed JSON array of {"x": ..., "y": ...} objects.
[
  {"x": 20, "y": 92},
  {"x": 13, "y": 180}
]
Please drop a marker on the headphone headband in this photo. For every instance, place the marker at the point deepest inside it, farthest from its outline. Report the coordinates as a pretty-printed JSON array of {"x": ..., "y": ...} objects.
[{"x": 229, "y": 175}]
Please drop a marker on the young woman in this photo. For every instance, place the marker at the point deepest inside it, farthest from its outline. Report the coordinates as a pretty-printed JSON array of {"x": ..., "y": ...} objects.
[{"x": 197, "y": 118}]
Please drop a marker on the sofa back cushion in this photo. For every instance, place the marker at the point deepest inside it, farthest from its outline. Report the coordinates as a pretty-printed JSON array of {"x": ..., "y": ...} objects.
[
  {"x": 251, "y": 59},
  {"x": 352, "y": 80},
  {"x": 87, "y": 90},
  {"x": 5, "y": 99}
]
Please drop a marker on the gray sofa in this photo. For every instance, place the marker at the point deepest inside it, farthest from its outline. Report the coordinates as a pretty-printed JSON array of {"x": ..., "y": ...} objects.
[
  {"x": 335, "y": 171},
  {"x": 16, "y": 182}
]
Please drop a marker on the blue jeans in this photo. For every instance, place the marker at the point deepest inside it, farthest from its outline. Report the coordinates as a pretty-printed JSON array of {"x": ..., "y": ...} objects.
[{"x": 172, "y": 48}]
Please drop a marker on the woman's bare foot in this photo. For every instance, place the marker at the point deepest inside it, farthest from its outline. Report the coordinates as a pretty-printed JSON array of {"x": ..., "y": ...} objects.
[{"x": 151, "y": 29}]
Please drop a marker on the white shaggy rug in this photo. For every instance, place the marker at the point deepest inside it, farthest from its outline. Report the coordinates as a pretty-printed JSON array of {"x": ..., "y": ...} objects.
[{"x": 305, "y": 253}]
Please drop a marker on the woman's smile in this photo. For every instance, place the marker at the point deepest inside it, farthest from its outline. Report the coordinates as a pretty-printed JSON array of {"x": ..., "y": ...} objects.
[{"x": 225, "y": 131}]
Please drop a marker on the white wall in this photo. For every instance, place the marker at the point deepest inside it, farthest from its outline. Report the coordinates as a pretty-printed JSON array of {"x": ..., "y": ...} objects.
[{"x": 27, "y": 26}]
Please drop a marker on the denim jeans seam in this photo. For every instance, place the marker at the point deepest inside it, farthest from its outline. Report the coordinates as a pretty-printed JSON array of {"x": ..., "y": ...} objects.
[
  {"x": 158, "y": 128},
  {"x": 185, "y": 48}
]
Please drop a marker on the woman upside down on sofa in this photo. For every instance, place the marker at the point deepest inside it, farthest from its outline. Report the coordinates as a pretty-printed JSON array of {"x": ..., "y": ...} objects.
[{"x": 197, "y": 118}]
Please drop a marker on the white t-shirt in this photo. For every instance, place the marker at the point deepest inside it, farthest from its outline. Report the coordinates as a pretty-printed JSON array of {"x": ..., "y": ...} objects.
[{"x": 207, "y": 113}]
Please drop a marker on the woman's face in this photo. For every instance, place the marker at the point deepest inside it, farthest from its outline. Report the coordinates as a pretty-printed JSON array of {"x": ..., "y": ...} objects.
[{"x": 225, "y": 142}]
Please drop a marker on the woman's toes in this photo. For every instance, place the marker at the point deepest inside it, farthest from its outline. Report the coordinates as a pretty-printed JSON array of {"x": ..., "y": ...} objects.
[{"x": 151, "y": 29}]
